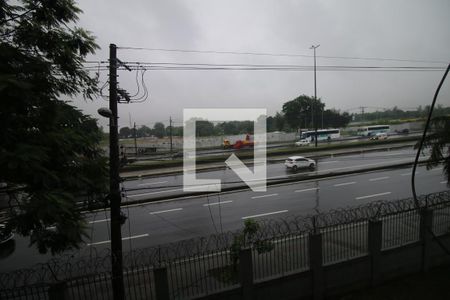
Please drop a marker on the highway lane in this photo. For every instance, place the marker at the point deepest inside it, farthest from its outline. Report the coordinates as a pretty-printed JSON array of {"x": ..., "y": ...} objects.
[
  {"x": 198, "y": 215},
  {"x": 147, "y": 188},
  {"x": 170, "y": 221}
]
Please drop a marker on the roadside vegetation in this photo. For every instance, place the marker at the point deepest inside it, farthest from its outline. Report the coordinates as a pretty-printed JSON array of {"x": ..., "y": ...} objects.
[{"x": 50, "y": 157}]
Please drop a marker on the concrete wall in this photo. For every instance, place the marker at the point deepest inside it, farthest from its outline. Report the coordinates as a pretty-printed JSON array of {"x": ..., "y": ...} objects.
[
  {"x": 211, "y": 141},
  {"x": 411, "y": 126},
  {"x": 217, "y": 141},
  {"x": 337, "y": 279}
]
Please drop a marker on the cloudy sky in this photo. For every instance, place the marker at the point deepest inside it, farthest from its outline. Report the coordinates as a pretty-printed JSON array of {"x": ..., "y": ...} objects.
[{"x": 407, "y": 30}]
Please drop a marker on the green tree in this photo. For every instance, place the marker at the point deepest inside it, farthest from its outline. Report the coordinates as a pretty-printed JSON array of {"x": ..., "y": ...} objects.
[
  {"x": 159, "y": 130},
  {"x": 126, "y": 132},
  {"x": 438, "y": 142},
  {"x": 270, "y": 124},
  {"x": 144, "y": 131},
  {"x": 298, "y": 112},
  {"x": 248, "y": 238},
  {"x": 48, "y": 149},
  {"x": 204, "y": 128},
  {"x": 334, "y": 119},
  {"x": 177, "y": 131},
  {"x": 279, "y": 122}
]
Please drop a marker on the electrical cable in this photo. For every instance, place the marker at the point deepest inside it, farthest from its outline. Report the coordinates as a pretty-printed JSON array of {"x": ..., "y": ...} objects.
[
  {"x": 137, "y": 84},
  {"x": 144, "y": 96},
  {"x": 279, "y": 54},
  {"x": 129, "y": 224},
  {"x": 92, "y": 234},
  {"x": 220, "y": 212},
  {"x": 419, "y": 149},
  {"x": 177, "y": 64},
  {"x": 293, "y": 69},
  {"x": 210, "y": 214}
]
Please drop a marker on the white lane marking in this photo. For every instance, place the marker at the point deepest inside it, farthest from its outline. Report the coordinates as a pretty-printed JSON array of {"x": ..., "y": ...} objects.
[
  {"x": 445, "y": 181},
  {"x": 150, "y": 183},
  {"x": 396, "y": 153},
  {"x": 345, "y": 183},
  {"x": 266, "y": 214},
  {"x": 373, "y": 195},
  {"x": 305, "y": 190},
  {"x": 153, "y": 193},
  {"x": 436, "y": 169},
  {"x": 408, "y": 174},
  {"x": 379, "y": 178},
  {"x": 328, "y": 162},
  {"x": 365, "y": 165},
  {"x": 123, "y": 239},
  {"x": 165, "y": 211},
  {"x": 99, "y": 221},
  {"x": 217, "y": 203},
  {"x": 264, "y": 196}
]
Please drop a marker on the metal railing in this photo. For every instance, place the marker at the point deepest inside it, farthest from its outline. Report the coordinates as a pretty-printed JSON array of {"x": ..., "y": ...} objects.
[
  {"x": 344, "y": 242},
  {"x": 204, "y": 266},
  {"x": 289, "y": 255}
]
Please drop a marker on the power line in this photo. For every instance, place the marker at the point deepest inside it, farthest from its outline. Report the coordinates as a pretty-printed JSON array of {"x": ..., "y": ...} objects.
[
  {"x": 272, "y": 65},
  {"x": 306, "y": 68},
  {"x": 180, "y": 66},
  {"x": 281, "y": 54}
]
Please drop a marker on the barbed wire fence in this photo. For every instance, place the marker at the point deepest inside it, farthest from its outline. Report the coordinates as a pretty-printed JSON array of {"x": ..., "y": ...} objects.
[{"x": 70, "y": 266}]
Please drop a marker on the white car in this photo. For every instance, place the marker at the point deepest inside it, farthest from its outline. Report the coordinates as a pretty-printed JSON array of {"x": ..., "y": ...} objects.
[
  {"x": 303, "y": 142},
  {"x": 379, "y": 136},
  {"x": 297, "y": 162}
]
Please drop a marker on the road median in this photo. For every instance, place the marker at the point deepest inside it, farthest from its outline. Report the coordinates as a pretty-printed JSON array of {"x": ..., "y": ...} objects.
[
  {"x": 217, "y": 163},
  {"x": 286, "y": 180}
]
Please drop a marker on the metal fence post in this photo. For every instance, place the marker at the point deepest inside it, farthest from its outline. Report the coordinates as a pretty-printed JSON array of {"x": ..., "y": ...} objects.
[
  {"x": 316, "y": 265},
  {"x": 426, "y": 223},
  {"x": 58, "y": 291},
  {"x": 375, "y": 236},
  {"x": 161, "y": 283},
  {"x": 246, "y": 273}
]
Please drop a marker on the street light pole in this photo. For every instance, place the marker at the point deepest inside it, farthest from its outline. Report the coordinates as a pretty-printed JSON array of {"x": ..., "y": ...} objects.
[
  {"x": 114, "y": 187},
  {"x": 315, "y": 94}
]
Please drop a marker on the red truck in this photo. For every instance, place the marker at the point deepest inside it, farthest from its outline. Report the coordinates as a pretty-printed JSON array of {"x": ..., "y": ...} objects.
[{"x": 247, "y": 143}]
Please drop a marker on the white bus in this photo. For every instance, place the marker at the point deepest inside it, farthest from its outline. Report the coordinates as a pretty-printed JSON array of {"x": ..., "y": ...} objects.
[
  {"x": 322, "y": 134},
  {"x": 373, "y": 130}
]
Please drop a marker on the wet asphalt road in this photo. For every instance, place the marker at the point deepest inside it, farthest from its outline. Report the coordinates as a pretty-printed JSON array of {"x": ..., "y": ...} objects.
[{"x": 170, "y": 221}]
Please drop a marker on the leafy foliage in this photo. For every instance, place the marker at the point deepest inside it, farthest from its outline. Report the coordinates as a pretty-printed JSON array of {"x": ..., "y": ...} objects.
[
  {"x": 398, "y": 114},
  {"x": 248, "y": 239},
  {"x": 298, "y": 113},
  {"x": 159, "y": 130},
  {"x": 439, "y": 143},
  {"x": 48, "y": 149}
]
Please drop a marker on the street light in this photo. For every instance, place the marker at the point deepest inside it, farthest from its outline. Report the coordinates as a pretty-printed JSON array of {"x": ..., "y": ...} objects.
[
  {"x": 105, "y": 112},
  {"x": 315, "y": 94}
]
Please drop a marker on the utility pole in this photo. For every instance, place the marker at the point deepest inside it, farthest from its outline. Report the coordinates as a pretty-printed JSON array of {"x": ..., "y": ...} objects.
[
  {"x": 170, "y": 134},
  {"x": 135, "y": 141},
  {"x": 322, "y": 118},
  {"x": 315, "y": 94},
  {"x": 362, "y": 112},
  {"x": 114, "y": 187}
]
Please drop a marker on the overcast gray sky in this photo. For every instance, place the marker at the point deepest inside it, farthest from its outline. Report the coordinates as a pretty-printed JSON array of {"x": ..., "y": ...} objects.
[{"x": 407, "y": 29}]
